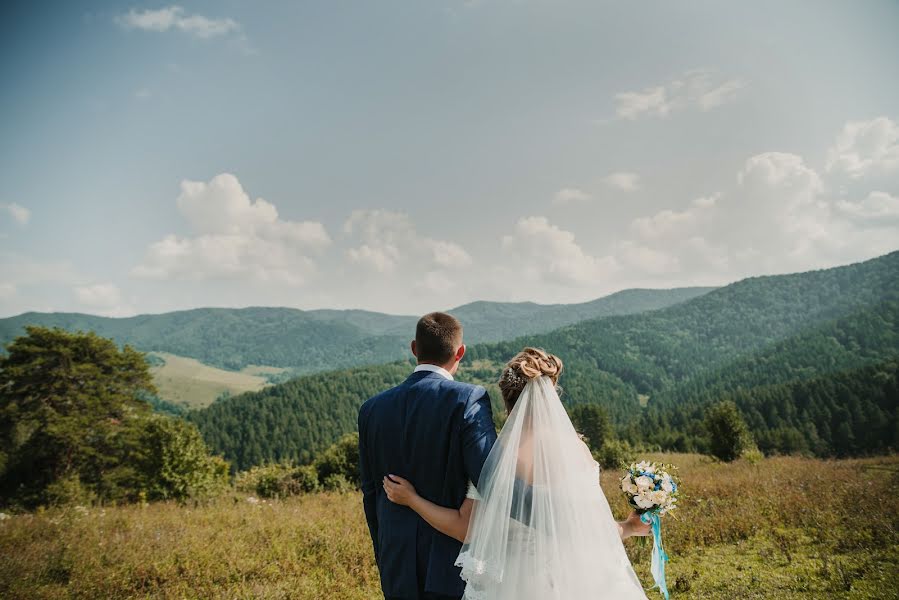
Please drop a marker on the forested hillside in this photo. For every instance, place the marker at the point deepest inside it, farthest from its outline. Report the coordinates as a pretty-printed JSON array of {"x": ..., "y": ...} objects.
[
  {"x": 756, "y": 332},
  {"x": 849, "y": 413},
  {"x": 309, "y": 341},
  {"x": 294, "y": 420},
  {"x": 652, "y": 351}
]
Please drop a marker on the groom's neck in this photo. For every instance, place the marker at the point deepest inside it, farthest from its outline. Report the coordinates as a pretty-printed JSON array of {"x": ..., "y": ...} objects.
[{"x": 448, "y": 367}]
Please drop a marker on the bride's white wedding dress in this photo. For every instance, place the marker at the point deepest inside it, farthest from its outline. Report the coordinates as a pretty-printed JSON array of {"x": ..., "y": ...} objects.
[{"x": 541, "y": 527}]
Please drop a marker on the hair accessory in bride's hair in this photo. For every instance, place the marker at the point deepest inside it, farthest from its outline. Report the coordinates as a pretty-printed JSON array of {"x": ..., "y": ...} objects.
[{"x": 511, "y": 377}]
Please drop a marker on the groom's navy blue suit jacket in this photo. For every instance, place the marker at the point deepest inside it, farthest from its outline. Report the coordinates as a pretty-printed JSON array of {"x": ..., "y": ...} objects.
[{"x": 436, "y": 433}]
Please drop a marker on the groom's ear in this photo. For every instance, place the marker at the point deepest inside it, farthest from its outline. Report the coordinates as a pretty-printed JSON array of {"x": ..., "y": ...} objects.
[
  {"x": 460, "y": 352},
  {"x": 414, "y": 353}
]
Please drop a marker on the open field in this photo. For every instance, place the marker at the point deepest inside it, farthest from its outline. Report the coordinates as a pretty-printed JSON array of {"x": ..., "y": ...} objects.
[
  {"x": 784, "y": 528},
  {"x": 263, "y": 370},
  {"x": 189, "y": 382}
]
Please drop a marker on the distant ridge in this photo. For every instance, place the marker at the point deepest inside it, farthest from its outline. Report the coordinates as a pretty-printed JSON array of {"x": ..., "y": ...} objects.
[{"x": 317, "y": 340}]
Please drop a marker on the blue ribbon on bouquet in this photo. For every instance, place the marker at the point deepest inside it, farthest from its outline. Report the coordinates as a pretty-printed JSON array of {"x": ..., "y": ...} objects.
[{"x": 659, "y": 556}]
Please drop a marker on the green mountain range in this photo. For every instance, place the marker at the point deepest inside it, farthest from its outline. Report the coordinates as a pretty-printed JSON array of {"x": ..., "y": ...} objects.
[
  {"x": 647, "y": 369},
  {"x": 317, "y": 340}
]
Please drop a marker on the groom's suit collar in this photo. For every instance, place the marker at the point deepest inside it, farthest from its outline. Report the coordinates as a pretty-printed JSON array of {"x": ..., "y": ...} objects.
[{"x": 426, "y": 370}]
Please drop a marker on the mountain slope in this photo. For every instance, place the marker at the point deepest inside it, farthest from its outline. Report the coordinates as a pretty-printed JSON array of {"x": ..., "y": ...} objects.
[
  {"x": 308, "y": 341},
  {"x": 656, "y": 350},
  {"x": 846, "y": 413},
  {"x": 294, "y": 420},
  {"x": 495, "y": 321},
  {"x": 757, "y": 331}
]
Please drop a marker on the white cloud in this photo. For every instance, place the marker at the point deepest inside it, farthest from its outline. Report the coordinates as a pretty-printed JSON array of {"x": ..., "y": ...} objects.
[
  {"x": 675, "y": 223},
  {"x": 21, "y": 276},
  {"x": 436, "y": 282},
  {"x": 646, "y": 259},
  {"x": 542, "y": 252},
  {"x": 235, "y": 238},
  {"x": 19, "y": 213},
  {"x": 570, "y": 196},
  {"x": 101, "y": 295},
  {"x": 22, "y": 271},
  {"x": 103, "y": 299},
  {"x": 697, "y": 89},
  {"x": 174, "y": 17},
  {"x": 865, "y": 147},
  {"x": 624, "y": 181},
  {"x": 382, "y": 258},
  {"x": 779, "y": 216},
  {"x": 388, "y": 239},
  {"x": 878, "y": 209},
  {"x": 449, "y": 255}
]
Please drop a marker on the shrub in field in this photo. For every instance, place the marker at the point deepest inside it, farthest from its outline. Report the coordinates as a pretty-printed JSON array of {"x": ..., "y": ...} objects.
[
  {"x": 305, "y": 479},
  {"x": 729, "y": 436},
  {"x": 342, "y": 458},
  {"x": 337, "y": 482},
  {"x": 176, "y": 463},
  {"x": 615, "y": 454},
  {"x": 336, "y": 469},
  {"x": 278, "y": 480}
]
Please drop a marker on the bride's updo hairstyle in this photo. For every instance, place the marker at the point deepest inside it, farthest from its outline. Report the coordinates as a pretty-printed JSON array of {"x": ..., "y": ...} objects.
[{"x": 528, "y": 364}]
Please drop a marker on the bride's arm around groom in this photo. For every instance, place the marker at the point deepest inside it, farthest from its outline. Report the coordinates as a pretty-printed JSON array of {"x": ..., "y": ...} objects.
[{"x": 454, "y": 521}]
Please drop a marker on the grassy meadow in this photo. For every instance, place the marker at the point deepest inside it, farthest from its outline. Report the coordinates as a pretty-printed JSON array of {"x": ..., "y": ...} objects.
[
  {"x": 191, "y": 383},
  {"x": 781, "y": 528}
]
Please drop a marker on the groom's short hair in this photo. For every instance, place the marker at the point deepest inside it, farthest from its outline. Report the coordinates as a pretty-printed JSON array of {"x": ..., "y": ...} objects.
[{"x": 437, "y": 337}]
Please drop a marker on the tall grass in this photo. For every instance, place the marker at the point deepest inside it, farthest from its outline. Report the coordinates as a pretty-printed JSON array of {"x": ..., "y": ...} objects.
[{"x": 781, "y": 528}]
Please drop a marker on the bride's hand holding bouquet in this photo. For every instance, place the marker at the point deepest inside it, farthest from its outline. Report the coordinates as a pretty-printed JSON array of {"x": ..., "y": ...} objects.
[{"x": 652, "y": 490}]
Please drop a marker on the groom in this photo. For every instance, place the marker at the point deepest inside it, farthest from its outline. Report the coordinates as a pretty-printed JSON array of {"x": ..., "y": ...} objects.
[{"x": 434, "y": 431}]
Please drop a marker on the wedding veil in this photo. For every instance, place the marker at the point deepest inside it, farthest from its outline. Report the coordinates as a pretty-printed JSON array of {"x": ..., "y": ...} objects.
[{"x": 542, "y": 527}]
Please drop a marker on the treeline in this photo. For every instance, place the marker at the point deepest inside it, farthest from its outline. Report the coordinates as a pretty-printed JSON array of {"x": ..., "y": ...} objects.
[
  {"x": 292, "y": 421},
  {"x": 843, "y": 414}
]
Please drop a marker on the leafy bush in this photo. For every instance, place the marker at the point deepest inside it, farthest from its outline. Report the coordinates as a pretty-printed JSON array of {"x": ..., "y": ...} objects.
[
  {"x": 335, "y": 470},
  {"x": 729, "y": 436},
  {"x": 340, "y": 459},
  {"x": 615, "y": 454},
  {"x": 336, "y": 482},
  {"x": 177, "y": 464},
  {"x": 278, "y": 480}
]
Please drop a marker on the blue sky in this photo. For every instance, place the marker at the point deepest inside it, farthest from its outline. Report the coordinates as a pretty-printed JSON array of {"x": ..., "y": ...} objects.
[{"x": 406, "y": 156}]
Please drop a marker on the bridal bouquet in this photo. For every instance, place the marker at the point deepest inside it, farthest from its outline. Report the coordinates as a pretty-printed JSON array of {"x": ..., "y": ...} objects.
[
  {"x": 652, "y": 490},
  {"x": 650, "y": 487}
]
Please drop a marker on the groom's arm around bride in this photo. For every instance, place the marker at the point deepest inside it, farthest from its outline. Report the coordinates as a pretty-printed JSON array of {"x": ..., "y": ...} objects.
[{"x": 436, "y": 432}]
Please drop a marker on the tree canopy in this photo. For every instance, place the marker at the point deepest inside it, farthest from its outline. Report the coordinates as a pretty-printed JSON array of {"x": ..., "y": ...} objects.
[{"x": 75, "y": 425}]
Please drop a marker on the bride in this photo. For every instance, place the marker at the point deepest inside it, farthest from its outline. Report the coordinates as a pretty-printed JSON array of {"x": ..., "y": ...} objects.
[{"x": 537, "y": 525}]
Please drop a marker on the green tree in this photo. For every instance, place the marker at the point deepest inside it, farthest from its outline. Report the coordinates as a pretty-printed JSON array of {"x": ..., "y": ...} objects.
[
  {"x": 74, "y": 425},
  {"x": 70, "y": 410},
  {"x": 176, "y": 463},
  {"x": 593, "y": 422},
  {"x": 728, "y": 434}
]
